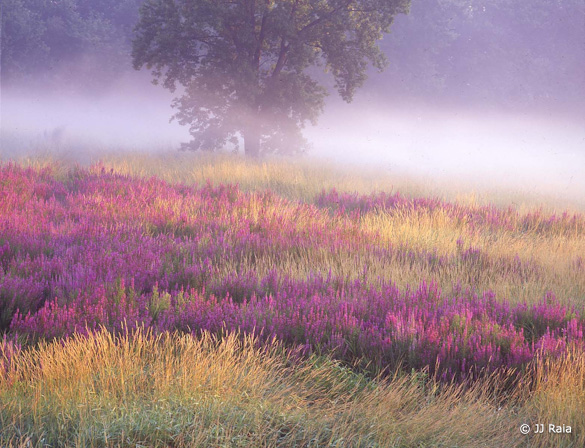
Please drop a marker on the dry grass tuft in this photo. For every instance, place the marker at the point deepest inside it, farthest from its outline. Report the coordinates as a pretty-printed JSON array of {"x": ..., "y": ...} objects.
[
  {"x": 555, "y": 395},
  {"x": 175, "y": 390}
]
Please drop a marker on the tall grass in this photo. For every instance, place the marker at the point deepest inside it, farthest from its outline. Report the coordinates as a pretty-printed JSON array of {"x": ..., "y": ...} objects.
[
  {"x": 554, "y": 393},
  {"x": 427, "y": 230},
  {"x": 305, "y": 178},
  {"x": 137, "y": 389},
  {"x": 423, "y": 286}
]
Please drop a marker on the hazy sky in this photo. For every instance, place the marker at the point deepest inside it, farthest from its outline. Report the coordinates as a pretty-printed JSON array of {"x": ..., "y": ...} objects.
[
  {"x": 509, "y": 125},
  {"x": 510, "y": 149},
  {"x": 531, "y": 151}
]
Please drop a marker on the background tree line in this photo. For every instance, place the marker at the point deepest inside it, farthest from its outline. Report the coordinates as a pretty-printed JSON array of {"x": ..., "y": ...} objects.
[
  {"x": 505, "y": 53},
  {"x": 496, "y": 51},
  {"x": 256, "y": 79},
  {"x": 501, "y": 51},
  {"x": 80, "y": 43}
]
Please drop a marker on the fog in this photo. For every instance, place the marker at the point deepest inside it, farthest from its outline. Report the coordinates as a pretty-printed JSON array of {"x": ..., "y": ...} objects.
[
  {"x": 132, "y": 115},
  {"x": 481, "y": 96},
  {"x": 533, "y": 152}
]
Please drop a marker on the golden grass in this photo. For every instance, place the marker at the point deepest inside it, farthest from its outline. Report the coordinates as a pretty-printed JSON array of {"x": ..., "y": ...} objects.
[
  {"x": 171, "y": 390},
  {"x": 553, "y": 252},
  {"x": 435, "y": 230},
  {"x": 556, "y": 395},
  {"x": 303, "y": 179},
  {"x": 175, "y": 390}
]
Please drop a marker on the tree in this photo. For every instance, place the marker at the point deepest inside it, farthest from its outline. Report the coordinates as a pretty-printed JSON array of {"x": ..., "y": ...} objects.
[
  {"x": 245, "y": 66},
  {"x": 488, "y": 53},
  {"x": 66, "y": 42},
  {"x": 21, "y": 38}
]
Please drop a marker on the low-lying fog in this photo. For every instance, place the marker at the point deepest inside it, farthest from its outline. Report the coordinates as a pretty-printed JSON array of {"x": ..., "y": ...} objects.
[
  {"x": 534, "y": 152},
  {"x": 134, "y": 116}
]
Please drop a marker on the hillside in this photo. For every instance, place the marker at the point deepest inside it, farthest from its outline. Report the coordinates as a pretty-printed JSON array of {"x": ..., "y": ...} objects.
[{"x": 155, "y": 309}]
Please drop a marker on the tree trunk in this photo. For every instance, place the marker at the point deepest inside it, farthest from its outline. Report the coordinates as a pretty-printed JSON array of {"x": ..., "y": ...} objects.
[{"x": 252, "y": 142}]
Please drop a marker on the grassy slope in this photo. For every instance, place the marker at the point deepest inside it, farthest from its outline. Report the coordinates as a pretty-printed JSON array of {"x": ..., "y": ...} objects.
[
  {"x": 146, "y": 390},
  {"x": 157, "y": 391},
  {"x": 556, "y": 252}
]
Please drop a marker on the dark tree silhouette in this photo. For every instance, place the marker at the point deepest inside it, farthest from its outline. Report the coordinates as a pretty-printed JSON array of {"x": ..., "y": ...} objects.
[{"x": 244, "y": 65}]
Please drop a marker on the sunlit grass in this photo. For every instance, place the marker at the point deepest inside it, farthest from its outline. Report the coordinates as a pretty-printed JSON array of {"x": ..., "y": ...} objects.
[
  {"x": 554, "y": 253},
  {"x": 303, "y": 179},
  {"x": 555, "y": 395},
  {"x": 171, "y": 390},
  {"x": 417, "y": 229},
  {"x": 176, "y": 390}
]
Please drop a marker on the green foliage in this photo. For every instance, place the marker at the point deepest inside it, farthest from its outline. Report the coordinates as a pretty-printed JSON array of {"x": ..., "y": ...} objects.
[
  {"x": 159, "y": 302},
  {"x": 39, "y": 37},
  {"x": 491, "y": 52},
  {"x": 22, "y": 37},
  {"x": 243, "y": 65}
]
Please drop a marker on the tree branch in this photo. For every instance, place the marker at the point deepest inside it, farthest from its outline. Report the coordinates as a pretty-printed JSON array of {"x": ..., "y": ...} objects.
[
  {"x": 324, "y": 17},
  {"x": 282, "y": 56},
  {"x": 261, "y": 36}
]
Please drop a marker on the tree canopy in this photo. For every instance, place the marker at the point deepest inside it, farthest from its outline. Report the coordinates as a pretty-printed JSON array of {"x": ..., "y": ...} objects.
[
  {"x": 471, "y": 53},
  {"x": 244, "y": 66},
  {"x": 488, "y": 53},
  {"x": 65, "y": 41}
]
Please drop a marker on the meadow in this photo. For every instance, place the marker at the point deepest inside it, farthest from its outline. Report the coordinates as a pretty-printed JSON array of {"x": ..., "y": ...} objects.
[{"x": 216, "y": 301}]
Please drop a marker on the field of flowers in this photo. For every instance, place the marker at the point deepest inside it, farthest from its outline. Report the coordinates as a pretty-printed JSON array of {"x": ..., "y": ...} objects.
[{"x": 391, "y": 288}]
